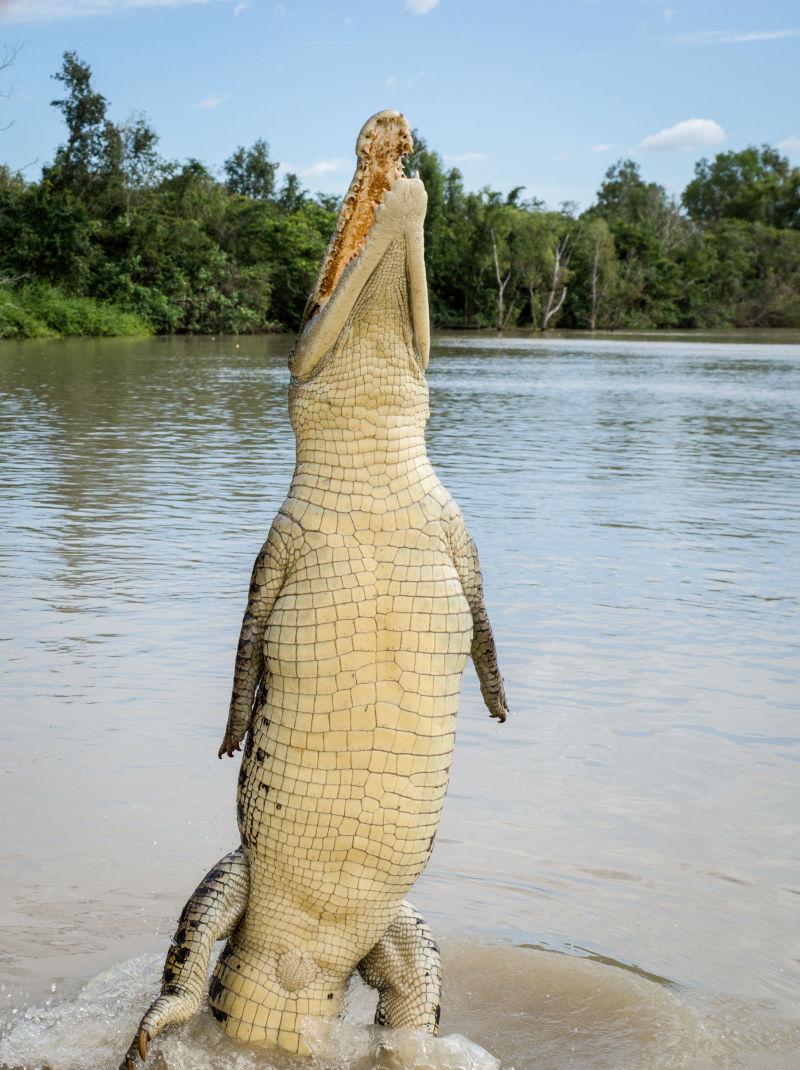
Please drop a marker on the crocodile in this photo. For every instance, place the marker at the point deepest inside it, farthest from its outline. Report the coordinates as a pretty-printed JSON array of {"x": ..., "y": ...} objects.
[{"x": 365, "y": 602}]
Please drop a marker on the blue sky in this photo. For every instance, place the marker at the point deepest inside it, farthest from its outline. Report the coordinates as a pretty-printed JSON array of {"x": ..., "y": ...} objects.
[{"x": 540, "y": 94}]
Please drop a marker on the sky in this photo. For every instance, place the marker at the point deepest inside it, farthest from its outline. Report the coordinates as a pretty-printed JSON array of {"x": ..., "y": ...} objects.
[{"x": 545, "y": 95}]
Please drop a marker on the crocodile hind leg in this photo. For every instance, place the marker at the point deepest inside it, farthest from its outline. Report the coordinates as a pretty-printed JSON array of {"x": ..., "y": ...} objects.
[
  {"x": 212, "y": 913},
  {"x": 406, "y": 969}
]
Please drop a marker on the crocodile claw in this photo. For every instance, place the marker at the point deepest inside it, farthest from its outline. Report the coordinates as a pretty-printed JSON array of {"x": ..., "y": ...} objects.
[
  {"x": 132, "y": 1055},
  {"x": 170, "y": 1009}
]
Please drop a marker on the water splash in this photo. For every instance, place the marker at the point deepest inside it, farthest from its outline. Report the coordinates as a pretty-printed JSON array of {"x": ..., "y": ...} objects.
[
  {"x": 350, "y": 1044},
  {"x": 92, "y": 1031}
]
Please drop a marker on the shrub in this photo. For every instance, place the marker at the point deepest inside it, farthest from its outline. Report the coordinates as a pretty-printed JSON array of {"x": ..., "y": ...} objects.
[{"x": 38, "y": 310}]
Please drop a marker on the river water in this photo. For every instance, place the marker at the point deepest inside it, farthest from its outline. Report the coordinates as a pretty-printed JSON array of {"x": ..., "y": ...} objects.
[{"x": 616, "y": 879}]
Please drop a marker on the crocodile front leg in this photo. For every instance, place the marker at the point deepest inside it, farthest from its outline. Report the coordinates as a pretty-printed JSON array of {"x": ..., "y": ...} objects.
[
  {"x": 483, "y": 649},
  {"x": 212, "y": 914},
  {"x": 267, "y": 579},
  {"x": 406, "y": 969}
]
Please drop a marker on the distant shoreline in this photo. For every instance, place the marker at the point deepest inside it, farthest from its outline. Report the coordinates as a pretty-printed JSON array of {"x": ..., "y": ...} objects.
[{"x": 764, "y": 335}]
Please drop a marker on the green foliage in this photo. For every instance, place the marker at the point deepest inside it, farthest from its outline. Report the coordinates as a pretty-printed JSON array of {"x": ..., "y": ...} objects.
[
  {"x": 38, "y": 310},
  {"x": 251, "y": 172},
  {"x": 115, "y": 239},
  {"x": 17, "y": 320},
  {"x": 81, "y": 158},
  {"x": 755, "y": 185},
  {"x": 593, "y": 297}
]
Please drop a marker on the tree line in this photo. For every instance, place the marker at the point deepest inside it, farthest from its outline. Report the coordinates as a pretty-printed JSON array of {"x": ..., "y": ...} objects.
[{"x": 113, "y": 238}]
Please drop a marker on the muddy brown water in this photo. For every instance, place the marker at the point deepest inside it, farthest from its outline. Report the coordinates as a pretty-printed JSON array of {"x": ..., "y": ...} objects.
[{"x": 616, "y": 878}]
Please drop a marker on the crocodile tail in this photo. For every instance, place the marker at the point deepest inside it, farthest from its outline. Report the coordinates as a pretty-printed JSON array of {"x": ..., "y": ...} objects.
[{"x": 212, "y": 914}]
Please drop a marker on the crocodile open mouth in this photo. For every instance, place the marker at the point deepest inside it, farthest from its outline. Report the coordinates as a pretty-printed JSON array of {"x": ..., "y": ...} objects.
[{"x": 382, "y": 143}]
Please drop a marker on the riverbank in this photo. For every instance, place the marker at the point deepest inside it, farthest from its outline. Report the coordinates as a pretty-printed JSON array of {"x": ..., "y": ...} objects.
[{"x": 41, "y": 311}]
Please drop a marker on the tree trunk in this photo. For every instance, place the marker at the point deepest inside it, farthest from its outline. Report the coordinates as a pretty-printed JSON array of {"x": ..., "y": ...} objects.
[
  {"x": 595, "y": 271},
  {"x": 531, "y": 299},
  {"x": 500, "y": 321},
  {"x": 563, "y": 252}
]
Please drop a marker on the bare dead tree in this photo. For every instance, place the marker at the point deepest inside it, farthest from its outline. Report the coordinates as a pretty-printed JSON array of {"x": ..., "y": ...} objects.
[
  {"x": 673, "y": 227},
  {"x": 8, "y": 55},
  {"x": 595, "y": 295},
  {"x": 562, "y": 254},
  {"x": 528, "y": 277},
  {"x": 502, "y": 283},
  {"x": 599, "y": 290},
  {"x": 11, "y": 282}
]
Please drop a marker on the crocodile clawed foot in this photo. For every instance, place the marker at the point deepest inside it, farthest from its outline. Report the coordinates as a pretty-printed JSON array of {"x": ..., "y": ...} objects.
[
  {"x": 143, "y": 1039},
  {"x": 229, "y": 747},
  {"x": 137, "y": 1051},
  {"x": 170, "y": 1009}
]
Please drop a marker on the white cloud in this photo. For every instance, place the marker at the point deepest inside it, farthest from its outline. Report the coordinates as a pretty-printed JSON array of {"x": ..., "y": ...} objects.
[
  {"x": 421, "y": 7},
  {"x": 468, "y": 157},
  {"x": 601, "y": 148},
  {"x": 790, "y": 145},
  {"x": 556, "y": 195},
  {"x": 682, "y": 137},
  {"x": 48, "y": 10},
  {"x": 730, "y": 37},
  {"x": 392, "y": 81},
  {"x": 669, "y": 14},
  {"x": 240, "y": 9},
  {"x": 322, "y": 167},
  {"x": 212, "y": 101}
]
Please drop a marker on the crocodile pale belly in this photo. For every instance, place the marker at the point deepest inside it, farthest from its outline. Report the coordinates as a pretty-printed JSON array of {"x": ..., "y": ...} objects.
[{"x": 345, "y": 772}]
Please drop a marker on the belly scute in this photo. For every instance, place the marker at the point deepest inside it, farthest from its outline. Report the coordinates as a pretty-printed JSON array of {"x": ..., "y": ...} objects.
[
  {"x": 345, "y": 779},
  {"x": 351, "y": 609}
]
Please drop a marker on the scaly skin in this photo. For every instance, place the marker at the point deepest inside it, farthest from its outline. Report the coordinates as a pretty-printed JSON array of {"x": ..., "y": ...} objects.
[
  {"x": 212, "y": 914},
  {"x": 364, "y": 604}
]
